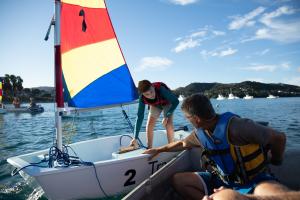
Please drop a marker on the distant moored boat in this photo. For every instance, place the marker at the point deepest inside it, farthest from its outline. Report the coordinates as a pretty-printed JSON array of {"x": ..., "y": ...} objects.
[
  {"x": 248, "y": 97},
  {"x": 220, "y": 97},
  {"x": 231, "y": 96},
  {"x": 181, "y": 98},
  {"x": 272, "y": 96}
]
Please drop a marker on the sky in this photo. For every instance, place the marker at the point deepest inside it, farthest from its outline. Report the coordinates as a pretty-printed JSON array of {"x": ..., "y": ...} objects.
[{"x": 174, "y": 41}]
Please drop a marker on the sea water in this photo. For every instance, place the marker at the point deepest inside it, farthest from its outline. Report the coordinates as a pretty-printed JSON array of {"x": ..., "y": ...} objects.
[{"x": 23, "y": 132}]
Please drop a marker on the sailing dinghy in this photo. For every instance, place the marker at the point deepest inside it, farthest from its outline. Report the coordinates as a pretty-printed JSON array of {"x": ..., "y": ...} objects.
[{"x": 90, "y": 73}]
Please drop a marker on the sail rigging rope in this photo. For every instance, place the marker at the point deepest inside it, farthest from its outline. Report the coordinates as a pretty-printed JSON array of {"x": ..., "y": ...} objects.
[
  {"x": 64, "y": 160},
  {"x": 131, "y": 128}
]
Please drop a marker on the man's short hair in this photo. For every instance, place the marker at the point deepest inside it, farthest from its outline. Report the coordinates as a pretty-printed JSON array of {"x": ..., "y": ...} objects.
[
  {"x": 199, "y": 105},
  {"x": 144, "y": 86}
]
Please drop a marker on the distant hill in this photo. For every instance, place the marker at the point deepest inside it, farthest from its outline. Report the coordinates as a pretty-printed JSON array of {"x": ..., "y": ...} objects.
[
  {"x": 252, "y": 88},
  {"x": 45, "y": 88},
  {"x": 212, "y": 90}
]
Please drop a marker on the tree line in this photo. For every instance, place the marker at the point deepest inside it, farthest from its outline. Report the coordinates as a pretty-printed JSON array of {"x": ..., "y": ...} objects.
[{"x": 13, "y": 87}]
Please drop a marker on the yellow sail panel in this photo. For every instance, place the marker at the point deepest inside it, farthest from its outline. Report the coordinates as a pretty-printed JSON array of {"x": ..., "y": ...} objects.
[
  {"x": 86, "y": 3},
  {"x": 0, "y": 90},
  {"x": 89, "y": 64}
]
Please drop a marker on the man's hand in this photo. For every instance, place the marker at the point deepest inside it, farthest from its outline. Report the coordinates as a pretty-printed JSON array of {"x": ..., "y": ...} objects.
[
  {"x": 165, "y": 121},
  {"x": 277, "y": 146},
  {"x": 153, "y": 153}
]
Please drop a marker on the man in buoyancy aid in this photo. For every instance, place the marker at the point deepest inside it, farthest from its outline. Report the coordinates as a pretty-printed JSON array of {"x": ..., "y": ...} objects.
[
  {"x": 236, "y": 149},
  {"x": 160, "y": 99}
]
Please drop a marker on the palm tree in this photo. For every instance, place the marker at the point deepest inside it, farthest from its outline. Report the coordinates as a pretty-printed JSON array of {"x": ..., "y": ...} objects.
[
  {"x": 7, "y": 87},
  {"x": 13, "y": 81},
  {"x": 19, "y": 81}
]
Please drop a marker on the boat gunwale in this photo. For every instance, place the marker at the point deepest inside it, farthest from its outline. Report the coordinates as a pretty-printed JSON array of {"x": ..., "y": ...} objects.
[{"x": 18, "y": 162}]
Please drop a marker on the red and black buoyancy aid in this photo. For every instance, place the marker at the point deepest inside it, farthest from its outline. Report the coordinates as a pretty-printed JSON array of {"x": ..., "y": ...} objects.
[{"x": 159, "y": 100}]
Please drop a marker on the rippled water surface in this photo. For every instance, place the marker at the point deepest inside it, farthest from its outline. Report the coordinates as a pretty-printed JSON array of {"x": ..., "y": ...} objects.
[{"x": 24, "y": 133}]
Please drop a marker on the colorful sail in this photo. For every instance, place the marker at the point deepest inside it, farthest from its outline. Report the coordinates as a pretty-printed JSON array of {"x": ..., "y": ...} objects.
[
  {"x": 94, "y": 70},
  {"x": 1, "y": 93}
]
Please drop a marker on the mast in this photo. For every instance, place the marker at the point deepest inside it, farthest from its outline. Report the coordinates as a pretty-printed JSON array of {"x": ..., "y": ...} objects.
[{"x": 58, "y": 77}]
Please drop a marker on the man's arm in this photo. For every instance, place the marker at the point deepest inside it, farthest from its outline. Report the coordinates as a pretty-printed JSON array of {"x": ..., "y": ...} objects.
[
  {"x": 246, "y": 131},
  {"x": 187, "y": 143},
  {"x": 277, "y": 146}
]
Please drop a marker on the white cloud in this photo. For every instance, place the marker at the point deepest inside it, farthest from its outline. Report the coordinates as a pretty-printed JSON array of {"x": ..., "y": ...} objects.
[
  {"x": 183, "y": 2},
  {"x": 279, "y": 30},
  {"x": 285, "y": 65},
  {"x": 264, "y": 52},
  {"x": 186, "y": 44},
  {"x": 198, "y": 34},
  {"x": 246, "y": 20},
  {"x": 269, "y": 68},
  {"x": 258, "y": 67},
  {"x": 293, "y": 80},
  {"x": 218, "y": 33},
  {"x": 298, "y": 69},
  {"x": 178, "y": 39},
  {"x": 259, "y": 53},
  {"x": 228, "y": 52},
  {"x": 195, "y": 38},
  {"x": 255, "y": 79},
  {"x": 218, "y": 53},
  {"x": 154, "y": 63},
  {"x": 267, "y": 17}
]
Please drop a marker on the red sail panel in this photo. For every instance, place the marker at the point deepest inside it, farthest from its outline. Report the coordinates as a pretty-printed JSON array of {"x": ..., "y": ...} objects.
[{"x": 73, "y": 35}]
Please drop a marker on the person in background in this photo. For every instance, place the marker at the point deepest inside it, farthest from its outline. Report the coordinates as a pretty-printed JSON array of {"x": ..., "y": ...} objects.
[
  {"x": 32, "y": 103},
  {"x": 235, "y": 152},
  {"x": 16, "y": 102},
  {"x": 160, "y": 99}
]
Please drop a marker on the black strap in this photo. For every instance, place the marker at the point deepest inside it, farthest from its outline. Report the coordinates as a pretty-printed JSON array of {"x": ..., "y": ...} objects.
[
  {"x": 256, "y": 170},
  {"x": 214, "y": 152},
  {"x": 241, "y": 163},
  {"x": 252, "y": 155}
]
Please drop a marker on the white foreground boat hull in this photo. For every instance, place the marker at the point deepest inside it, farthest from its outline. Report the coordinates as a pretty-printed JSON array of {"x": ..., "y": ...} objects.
[{"x": 117, "y": 173}]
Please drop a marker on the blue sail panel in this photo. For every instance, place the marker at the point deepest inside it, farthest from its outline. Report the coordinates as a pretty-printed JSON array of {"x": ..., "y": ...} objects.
[{"x": 116, "y": 87}]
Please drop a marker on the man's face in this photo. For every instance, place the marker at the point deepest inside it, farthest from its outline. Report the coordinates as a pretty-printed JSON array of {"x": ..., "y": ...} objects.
[
  {"x": 195, "y": 120},
  {"x": 150, "y": 94}
]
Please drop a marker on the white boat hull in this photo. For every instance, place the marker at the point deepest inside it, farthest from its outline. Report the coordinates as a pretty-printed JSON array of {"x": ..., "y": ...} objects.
[
  {"x": 2, "y": 111},
  {"x": 117, "y": 173},
  {"x": 38, "y": 109}
]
